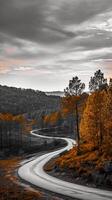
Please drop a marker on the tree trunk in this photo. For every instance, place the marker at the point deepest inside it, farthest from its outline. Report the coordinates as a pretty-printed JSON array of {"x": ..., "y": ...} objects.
[
  {"x": 1, "y": 140},
  {"x": 77, "y": 125},
  {"x": 101, "y": 135}
]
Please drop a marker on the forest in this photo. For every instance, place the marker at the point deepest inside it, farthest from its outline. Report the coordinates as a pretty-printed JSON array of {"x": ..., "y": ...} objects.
[
  {"x": 20, "y": 111},
  {"x": 18, "y": 101},
  {"x": 91, "y": 158}
]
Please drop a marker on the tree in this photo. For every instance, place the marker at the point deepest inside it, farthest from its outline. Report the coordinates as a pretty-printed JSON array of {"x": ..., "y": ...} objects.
[
  {"x": 92, "y": 126},
  {"x": 54, "y": 118},
  {"x": 97, "y": 82},
  {"x": 71, "y": 100},
  {"x": 107, "y": 120},
  {"x": 96, "y": 123},
  {"x": 75, "y": 87},
  {"x": 110, "y": 83}
]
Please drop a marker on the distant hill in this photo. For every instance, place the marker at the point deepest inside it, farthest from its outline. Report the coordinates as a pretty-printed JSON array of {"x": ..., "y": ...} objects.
[
  {"x": 17, "y": 101},
  {"x": 55, "y": 93}
]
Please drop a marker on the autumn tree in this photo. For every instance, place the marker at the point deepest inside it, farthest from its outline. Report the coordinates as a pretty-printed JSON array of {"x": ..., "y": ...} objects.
[
  {"x": 96, "y": 123},
  {"x": 91, "y": 126},
  {"x": 97, "y": 82},
  {"x": 71, "y": 100},
  {"x": 107, "y": 120},
  {"x": 55, "y": 118}
]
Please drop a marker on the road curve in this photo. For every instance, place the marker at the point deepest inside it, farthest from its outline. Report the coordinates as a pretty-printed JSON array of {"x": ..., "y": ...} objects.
[{"x": 34, "y": 173}]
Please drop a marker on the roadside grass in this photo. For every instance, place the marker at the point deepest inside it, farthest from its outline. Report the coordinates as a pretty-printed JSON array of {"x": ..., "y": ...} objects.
[
  {"x": 9, "y": 188},
  {"x": 87, "y": 167}
]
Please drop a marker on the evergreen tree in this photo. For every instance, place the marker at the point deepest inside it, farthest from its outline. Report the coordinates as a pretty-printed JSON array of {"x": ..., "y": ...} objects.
[
  {"x": 72, "y": 97},
  {"x": 97, "y": 82}
]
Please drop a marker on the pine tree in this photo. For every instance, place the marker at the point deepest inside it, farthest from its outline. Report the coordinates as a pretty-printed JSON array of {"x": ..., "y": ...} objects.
[
  {"x": 97, "y": 82},
  {"x": 71, "y": 100}
]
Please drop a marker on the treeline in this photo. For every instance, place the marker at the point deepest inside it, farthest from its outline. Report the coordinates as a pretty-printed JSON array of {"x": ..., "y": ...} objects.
[
  {"x": 39, "y": 116},
  {"x": 15, "y": 137},
  {"x": 18, "y": 101},
  {"x": 14, "y": 132}
]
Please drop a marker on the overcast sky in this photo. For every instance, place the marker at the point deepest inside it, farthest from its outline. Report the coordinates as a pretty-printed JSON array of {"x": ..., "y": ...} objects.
[{"x": 44, "y": 43}]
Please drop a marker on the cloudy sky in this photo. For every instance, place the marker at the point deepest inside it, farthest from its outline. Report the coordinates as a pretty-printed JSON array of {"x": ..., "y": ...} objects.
[{"x": 44, "y": 43}]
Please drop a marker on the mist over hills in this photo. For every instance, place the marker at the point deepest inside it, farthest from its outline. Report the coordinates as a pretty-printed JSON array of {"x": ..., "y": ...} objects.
[{"x": 55, "y": 93}]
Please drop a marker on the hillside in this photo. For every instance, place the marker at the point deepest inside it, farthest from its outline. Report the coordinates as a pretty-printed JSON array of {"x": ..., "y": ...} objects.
[{"x": 17, "y": 101}]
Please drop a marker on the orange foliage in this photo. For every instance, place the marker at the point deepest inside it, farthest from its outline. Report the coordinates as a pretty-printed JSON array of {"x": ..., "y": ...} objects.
[
  {"x": 6, "y": 117},
  {"x": 96, "y": 135},
  {"x": 68, "y": 104},
  {"x": 52, "y": 118},
  {"x": 10, "y": 117},
  {"x": 9, "y": 188},
  {"x": 25, "y": 124},
  {"x": 96, "y": 123},
  {"x": 88, "y": 161},
  {"x": 73, "y": 161}
]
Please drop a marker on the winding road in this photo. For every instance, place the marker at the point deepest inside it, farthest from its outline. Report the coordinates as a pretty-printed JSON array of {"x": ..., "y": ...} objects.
[{"x": 33, "y": 173}]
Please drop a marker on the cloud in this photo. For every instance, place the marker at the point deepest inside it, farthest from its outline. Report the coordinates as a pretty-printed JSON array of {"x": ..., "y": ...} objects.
[
  {"x": 54, "y": 38},
  {"x": 27, "y": 20},
  {"x": 44, "y": 20},
  {"x": 76, "y": 12},
  {"x": 4, "y": 69},
  {"x": 22, "y": 68}
]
